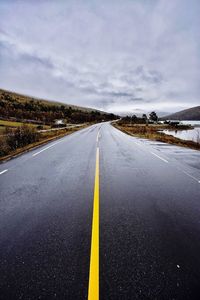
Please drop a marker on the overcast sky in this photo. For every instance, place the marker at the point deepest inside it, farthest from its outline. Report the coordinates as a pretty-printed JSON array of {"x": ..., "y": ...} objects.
[{"x": 119, "y": 56}]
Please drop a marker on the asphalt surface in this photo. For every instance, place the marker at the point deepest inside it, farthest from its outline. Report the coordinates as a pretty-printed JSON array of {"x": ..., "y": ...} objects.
[{"x": 149, "y": 219}]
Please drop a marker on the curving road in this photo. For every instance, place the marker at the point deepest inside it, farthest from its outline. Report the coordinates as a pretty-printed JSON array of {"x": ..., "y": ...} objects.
[{"x": 149, "y": 211}]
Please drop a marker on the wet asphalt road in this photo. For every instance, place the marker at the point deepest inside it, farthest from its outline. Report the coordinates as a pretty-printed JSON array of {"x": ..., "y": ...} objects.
[{"x": 149, "y": 219}]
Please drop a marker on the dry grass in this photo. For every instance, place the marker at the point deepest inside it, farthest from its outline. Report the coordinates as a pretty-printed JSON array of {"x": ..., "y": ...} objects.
[
  {"x": 44, "y": 138},
  {"x": 152, "y": 132},
  {"x": 10, "y": 123},
  {"x": 13, "y": 124},
  {"x": 25, "y": 98}
]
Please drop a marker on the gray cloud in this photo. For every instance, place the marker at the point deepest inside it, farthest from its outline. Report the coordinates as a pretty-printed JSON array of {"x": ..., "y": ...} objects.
[{"x": 112, "y": 55}]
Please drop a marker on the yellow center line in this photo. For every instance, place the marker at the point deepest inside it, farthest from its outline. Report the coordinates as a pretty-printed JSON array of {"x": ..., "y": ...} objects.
[{"x": 93, "y": 290}]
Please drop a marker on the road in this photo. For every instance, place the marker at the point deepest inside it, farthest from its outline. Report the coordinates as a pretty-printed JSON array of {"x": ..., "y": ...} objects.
[{"x": 146, "y": 216}]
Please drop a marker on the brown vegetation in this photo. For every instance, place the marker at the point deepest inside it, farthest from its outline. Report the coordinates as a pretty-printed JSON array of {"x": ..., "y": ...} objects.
[
  {"x": 17, "y": 138},
  {"x": 153, "y": 132},
  {"x": 18, "y": 107},
  {"x": 25, "y": 121},
  {"x": 24, "y": 138}
]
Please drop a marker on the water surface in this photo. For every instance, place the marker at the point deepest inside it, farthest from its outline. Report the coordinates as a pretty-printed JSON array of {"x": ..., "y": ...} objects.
[{"x": 190, "y": 134}]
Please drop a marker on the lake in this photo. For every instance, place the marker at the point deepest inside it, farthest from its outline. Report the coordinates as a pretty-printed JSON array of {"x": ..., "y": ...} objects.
[{"x": 189, "y": 135}]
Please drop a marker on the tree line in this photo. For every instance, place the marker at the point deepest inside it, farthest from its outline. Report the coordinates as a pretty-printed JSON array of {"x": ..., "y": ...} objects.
[
  {"x": 12, "y": 107},
  {"x": 141, "y": 120}
]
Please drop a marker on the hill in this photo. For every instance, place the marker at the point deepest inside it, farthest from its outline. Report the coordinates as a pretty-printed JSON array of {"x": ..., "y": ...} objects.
[
  {"x": 190, "y": 114},
  {"x": 25, "y": 108},
  {"x": 24, "y": 98}
]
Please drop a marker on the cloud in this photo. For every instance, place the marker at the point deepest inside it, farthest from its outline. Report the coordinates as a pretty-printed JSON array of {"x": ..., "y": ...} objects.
[{"x": 118, "y": 56}]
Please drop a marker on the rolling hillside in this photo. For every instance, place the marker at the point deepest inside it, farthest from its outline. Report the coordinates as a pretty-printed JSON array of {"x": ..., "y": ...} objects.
[
  {"x": 191, "y": 114},
  {"x": 24, "y": 98},
  {"x": 25, "y": 108}
]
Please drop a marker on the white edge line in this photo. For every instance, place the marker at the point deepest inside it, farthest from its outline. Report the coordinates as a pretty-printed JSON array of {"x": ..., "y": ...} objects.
[
  {"x": 186, "y": 173},
  {"x": 46, "y": 148},
  {"x": 4, "y": 171},
  {"x": 159, "y": 157}
]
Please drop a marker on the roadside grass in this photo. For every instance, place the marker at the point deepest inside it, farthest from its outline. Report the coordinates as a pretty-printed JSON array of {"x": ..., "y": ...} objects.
[
  {"x": 2, "y": 129},
  {"x": 13, "y": 124},
  {"x": 152, "y": 132},
  {"x": 43, "y": 138}
]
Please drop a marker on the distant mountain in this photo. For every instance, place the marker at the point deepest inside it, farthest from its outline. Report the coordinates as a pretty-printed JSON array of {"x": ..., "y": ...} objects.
[{"x": 190, "y": 114}]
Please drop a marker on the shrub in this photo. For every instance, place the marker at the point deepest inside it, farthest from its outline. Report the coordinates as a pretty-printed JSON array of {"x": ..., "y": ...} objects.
[
  {"x": 21, "y": 136},
  {"x": 4, "y": 147}
]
